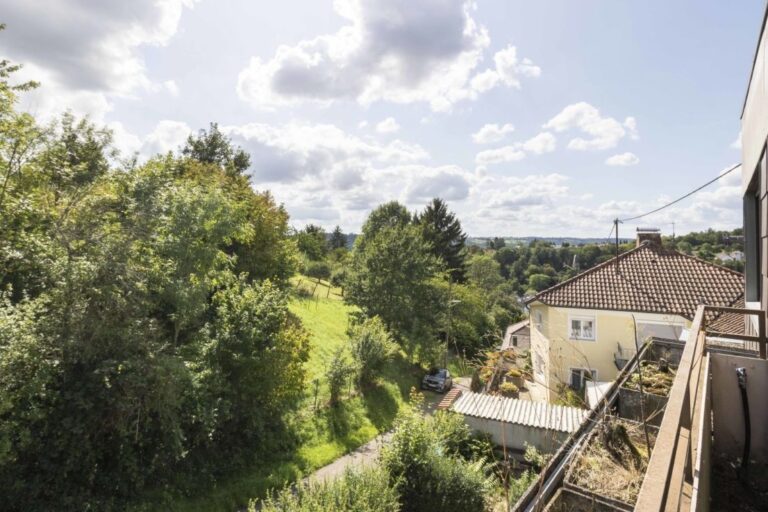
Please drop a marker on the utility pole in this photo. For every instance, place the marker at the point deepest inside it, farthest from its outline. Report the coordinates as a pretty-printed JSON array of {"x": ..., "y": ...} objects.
[{"x": 616, "y": 228}]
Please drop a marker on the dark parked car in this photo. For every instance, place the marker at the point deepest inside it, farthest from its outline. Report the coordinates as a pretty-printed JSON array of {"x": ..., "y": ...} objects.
[{"x": 438, "y": 379}]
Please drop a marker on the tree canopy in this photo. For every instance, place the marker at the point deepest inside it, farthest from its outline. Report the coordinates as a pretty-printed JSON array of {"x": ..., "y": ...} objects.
[{"x": 442, "y": 230}]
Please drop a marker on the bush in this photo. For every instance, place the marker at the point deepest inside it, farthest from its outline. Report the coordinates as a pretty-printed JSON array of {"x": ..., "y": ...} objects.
[
  {"x": 339, "y": 277},
  {"x": 339, "y": 370},
  {"x": 371, "y": 347},
  {"x": 425, "y": 466},
  {"x": 508, "y": 389},
  {"x": 366, "y": 490},
  {"x": 317, "y": 270},
  {"x": 514, "y": 373}
]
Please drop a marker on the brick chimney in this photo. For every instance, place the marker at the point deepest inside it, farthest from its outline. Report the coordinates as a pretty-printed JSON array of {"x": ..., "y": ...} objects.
[{"x": 652, "y": 235}]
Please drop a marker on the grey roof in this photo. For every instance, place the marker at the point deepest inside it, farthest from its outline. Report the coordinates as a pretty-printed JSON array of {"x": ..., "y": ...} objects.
[{"x": 522, "y": 412}]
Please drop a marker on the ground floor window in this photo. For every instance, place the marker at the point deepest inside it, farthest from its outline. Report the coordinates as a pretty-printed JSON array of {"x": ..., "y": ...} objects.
[{"x": 579, "y": 377}]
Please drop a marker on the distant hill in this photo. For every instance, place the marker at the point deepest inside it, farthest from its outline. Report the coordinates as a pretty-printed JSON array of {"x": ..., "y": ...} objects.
[{"x": 482, "y": 241}]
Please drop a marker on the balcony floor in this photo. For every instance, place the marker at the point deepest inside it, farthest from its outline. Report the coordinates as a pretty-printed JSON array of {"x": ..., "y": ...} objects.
[{"x": 731, "y": 494}]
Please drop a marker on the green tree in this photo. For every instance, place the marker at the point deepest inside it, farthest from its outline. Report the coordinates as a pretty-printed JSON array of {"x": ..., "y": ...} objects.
[
  {"x": 338, "y": 374},
  {"x": 371, "y": 347},
  {"x": 484, "y": 272},
  {"x": 442, "y": 230},
  {"x": 311, "y": 242},
  {"x": 538, "y": 282},
  {"x": 425, "y": 466},
  {"x": 390, "y": 277},
  {"x": 338, "y": 239},
  {"x": 213, "y": 147}
]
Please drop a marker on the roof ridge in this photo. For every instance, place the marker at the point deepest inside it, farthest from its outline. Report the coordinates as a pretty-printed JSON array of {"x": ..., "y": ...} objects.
[
  {"x": 586, "y": 272},
  {"x": 720, "y": 267},
  {"x": 656, "y": 288}
]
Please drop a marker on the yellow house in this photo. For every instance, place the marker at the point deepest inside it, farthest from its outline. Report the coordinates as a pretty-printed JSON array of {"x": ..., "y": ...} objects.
[{"x": 588, "y": 326}]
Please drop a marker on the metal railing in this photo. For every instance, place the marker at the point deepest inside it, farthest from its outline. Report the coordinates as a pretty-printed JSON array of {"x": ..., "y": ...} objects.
[{"x": 673, "y": 479}]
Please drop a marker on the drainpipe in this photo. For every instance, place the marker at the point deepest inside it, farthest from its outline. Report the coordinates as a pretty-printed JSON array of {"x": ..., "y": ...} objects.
[{"x": 741, "y": 375}]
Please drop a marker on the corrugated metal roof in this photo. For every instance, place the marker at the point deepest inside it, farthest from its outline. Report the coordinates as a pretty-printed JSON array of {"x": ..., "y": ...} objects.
[{"x": 522, "y": 412}]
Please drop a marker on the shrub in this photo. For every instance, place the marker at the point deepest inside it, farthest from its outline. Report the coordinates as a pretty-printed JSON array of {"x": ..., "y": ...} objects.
[
  {"x": 366, "y": 490},
  {"x": 514, "y": 373},
  {"x": 339, "y": 370},
  {"x": 339, "y": 277},
  {"x": 317, "y": 269},
  {"x": 508, "y": 389},
  {"x": 371, "y": 347},
  {"x": 426, "y": 469}
]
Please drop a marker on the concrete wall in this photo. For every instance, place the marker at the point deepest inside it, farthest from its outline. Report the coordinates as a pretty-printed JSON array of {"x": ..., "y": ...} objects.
[
  {"x": 754, "y": 121},
  {"x": 516, "y": 436},
  {"x": 630, "y": 406},
  {"x": 612, "y": 328},
  {"x": 727, "y": 407}
]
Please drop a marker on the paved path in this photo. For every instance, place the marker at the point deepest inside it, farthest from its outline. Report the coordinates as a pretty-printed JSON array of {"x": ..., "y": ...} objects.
[
  {"x": 363, "y": 456},
  {"x": 369, "y": 452}
]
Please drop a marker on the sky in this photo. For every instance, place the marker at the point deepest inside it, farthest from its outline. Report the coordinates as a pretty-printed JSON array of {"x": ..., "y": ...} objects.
[{"x": 530, "y": 118}]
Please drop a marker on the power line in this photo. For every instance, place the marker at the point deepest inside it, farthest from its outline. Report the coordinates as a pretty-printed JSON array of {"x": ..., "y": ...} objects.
[{"x": 683, "y": 197}]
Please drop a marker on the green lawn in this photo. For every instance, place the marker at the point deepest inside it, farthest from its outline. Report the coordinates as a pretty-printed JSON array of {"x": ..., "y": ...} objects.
[{"x": 326, "y": 433}]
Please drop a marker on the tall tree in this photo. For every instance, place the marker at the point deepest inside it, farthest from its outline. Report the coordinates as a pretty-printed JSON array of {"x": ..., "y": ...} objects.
[
  {"x": 213, "y": 147},
  {"x": 443, "y": 231},
  {"x": 391, "y": 276},
  {"x": 311, "y": 242},
  {"x": 338, "y": 239}
]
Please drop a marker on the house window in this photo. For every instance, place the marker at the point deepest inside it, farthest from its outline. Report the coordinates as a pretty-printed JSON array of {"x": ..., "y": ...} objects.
[
  {"x": 537, "y": 316},
  {"x": 579, "y": 377},
  {"x": 514, "y": 341},
  {"x": 538, "y": 364},
  {"x": 582, "y": 328}
]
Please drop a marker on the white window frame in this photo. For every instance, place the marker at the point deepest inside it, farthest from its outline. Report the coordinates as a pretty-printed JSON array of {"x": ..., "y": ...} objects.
[
  {"x": 593, "y": 371},
  {"x": 580, "y": 336}
]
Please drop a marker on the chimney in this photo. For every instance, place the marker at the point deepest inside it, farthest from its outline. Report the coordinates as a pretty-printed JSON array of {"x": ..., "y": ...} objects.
[{"x": 652, "y": 235}]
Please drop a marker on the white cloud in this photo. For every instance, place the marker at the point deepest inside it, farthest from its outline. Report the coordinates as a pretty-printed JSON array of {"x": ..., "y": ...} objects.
[
  {"x": 544, "y": 142},
  {"x": 84, "y": 52},
  {"x": 504, "y": 154},
  {"x": 389, "y": 125},
  {"x": 167, "y": 136},
  {"x": 449, "y": 182},
  {"x": 605, "y": 132},
  {"x": 171, "y": 87},
  {"x": 391, "y": 50},
  {"x": 736, "y": 144},
  {"x": 291, "y": 152},
  {"x": 623, "y": 159},
  {"x": 541, "y": 143},
  {"x": 490, "y": 133}
]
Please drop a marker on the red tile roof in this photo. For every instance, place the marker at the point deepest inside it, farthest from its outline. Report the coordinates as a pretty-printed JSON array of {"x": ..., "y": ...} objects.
[
  {"x": 731, "y": 323},
  {"x": 651, "y": 279}
]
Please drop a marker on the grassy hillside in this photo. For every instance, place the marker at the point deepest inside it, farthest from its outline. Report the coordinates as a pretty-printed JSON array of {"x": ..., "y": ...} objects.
[{"x": 324, "y": 433}]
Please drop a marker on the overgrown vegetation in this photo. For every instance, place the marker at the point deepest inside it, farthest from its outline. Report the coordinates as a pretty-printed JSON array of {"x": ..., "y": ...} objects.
[
  {"x": 614, "y": 461},
  {"x": 366, "y": 490},
  {"x": 657, "y": 378}
]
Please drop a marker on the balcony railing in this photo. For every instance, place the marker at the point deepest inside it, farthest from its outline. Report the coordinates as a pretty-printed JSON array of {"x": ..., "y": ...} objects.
[{"x": 678, "y": 473}]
